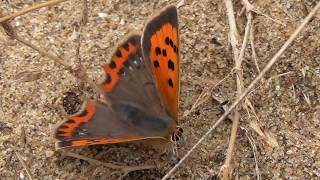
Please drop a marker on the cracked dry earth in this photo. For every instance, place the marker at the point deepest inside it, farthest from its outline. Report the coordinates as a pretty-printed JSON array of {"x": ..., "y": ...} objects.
[{"x": 282, "y": 132}]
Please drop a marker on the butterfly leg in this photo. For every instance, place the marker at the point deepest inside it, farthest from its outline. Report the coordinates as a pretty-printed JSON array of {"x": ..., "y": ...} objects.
[{"x": 177, "y": 135}]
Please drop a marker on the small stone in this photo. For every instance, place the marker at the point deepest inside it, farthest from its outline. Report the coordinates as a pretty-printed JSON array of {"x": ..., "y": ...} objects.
[
  {"x": 102, "y": 15},
  {"x": 49, "y": 153}
]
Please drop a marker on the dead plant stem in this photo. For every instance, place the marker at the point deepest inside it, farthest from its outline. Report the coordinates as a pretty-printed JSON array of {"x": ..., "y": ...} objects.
[{"x": 30, "y": 9}]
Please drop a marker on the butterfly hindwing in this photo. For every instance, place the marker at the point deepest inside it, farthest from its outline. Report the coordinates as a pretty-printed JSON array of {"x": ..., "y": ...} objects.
[
  {"x": 97, "y": 124},
  {"x": 160, "y": 48}
]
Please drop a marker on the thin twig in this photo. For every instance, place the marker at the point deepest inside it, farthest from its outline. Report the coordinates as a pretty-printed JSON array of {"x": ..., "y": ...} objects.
[
  {"x": 43, "y": 52},
  {"x": 25, "y": 167},
  {"x": 246, "y": 37},
  {"x": 250, "y": 87},
  {"x": 254, "y": 54},
  {"x": 204, "y": 96},
  {"x": 251, "y": 8},
  {"x": 30, "y": 9},
  {"x": 254, "y": 150}
]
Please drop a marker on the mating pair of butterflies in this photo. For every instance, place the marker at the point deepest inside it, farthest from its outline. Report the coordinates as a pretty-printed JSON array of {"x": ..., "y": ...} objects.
[{"x": 142, "y": 82}]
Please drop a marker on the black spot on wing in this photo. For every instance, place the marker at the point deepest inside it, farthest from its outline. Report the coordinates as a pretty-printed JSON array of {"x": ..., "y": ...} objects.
[
  {"x": 62, "y": 127},
  {"x": 171, "y": 43},
  {"x": 118, "y": 53},
  {"x": 121, "y": 72},
  {"x": 170, "y": 83},
  {"x": 112, "y": 64},
  {"x": 167, "y": 40},
  {"x": 175, "y": 49},
  {"x": 171, "y": 65},
  {"x": 164, "y": 52},
  {"x": 70, "y": 121},
  {"x": 82, "y": 114},
  {"x": 158, "y": 51},
  {"x": 156, "y": 64},
  {"x": 126, "y": 46},
  {"x": 107, "y": 79}
]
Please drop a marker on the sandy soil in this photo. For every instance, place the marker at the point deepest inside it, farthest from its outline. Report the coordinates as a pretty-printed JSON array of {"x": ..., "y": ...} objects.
[{"x": 287, "y": 105}]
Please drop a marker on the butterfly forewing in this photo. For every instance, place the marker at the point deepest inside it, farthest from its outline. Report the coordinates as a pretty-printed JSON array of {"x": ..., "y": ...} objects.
[{"x": 160, "y": 48}]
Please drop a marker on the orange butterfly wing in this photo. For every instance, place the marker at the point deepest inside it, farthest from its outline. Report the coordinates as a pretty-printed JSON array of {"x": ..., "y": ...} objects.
[{"x": 160, "y": 47}]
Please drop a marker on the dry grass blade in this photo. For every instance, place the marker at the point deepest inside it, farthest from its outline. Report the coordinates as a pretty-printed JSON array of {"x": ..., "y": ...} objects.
[
  {"x": 250, "y": 87},
  {"x": 27, "y": 76},
  {"x": 254, "y": 150},
  {"x": 30, "y": 9},
  {"x": 25, "y": 167}
]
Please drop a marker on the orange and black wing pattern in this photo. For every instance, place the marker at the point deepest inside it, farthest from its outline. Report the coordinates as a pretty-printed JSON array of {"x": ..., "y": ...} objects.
[
  {"x": 136, "y": 112},
  {"x": 96, "y": 124},
  {"x": 124, "y": 52},
  {"x": 160, "y": 48}
]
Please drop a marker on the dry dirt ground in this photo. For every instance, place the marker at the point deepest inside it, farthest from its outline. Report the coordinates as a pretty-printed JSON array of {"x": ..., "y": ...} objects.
[{"x": 286, "y": 103}]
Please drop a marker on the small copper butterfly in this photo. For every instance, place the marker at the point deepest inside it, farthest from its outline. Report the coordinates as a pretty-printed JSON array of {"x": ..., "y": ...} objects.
[{"x": 142, "y": 82}]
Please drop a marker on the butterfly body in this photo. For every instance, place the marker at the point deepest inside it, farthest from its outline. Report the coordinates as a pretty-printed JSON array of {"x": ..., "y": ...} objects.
[{"x": 144, "y": 106}]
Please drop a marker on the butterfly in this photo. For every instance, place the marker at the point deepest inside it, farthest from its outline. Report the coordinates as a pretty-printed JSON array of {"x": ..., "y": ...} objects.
[{"x": 142, "y": 83}]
